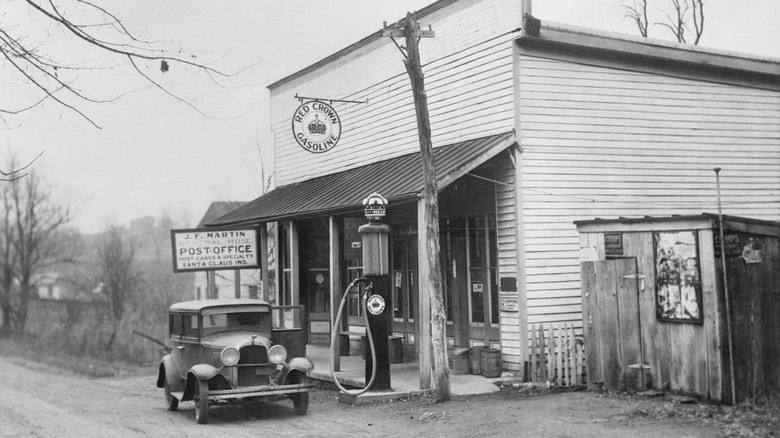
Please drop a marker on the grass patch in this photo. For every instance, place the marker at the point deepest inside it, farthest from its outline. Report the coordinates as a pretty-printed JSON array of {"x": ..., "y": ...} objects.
[{"x": 33, "y": 353}]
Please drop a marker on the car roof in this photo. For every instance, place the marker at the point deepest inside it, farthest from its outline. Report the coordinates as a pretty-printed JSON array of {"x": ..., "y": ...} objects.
[{"x": 199, "y": 305}]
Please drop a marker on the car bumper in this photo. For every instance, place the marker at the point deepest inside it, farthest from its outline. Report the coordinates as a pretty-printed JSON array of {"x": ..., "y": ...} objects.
[{"x": 257, "y": 392}]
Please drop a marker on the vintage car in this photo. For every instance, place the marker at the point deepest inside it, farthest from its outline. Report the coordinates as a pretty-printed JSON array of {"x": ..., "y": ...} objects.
[{"x": 234, "y": 351}]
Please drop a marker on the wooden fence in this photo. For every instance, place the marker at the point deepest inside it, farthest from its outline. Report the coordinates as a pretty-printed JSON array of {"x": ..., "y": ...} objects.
[{"x": 557, "y": 355}]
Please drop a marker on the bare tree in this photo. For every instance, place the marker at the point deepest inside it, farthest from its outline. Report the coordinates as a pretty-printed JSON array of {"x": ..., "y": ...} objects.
[
  {"x": 119, "y": 275},
  {"x": 88, "y": 24},
  {"x": 685, "y": 13},
  {"x": 636, "y": 10},
  {"x": 682, "y": 18},
  {"x": 8, "y": 261},
  {"x": 32, "y": 223}
]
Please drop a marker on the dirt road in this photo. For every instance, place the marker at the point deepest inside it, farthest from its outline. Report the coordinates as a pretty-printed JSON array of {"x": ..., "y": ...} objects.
[{"x": 42, "y": 402}]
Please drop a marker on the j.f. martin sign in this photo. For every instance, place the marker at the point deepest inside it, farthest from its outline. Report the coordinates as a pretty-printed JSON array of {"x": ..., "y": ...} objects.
[
  {"x": 206, "y": 249},
  {"x": 316, "y": 126}
]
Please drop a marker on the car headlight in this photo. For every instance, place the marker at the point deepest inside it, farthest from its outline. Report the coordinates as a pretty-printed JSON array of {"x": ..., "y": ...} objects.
[
  {"x": 277, "y": 354},
  {"x": 230, "y": 356}
]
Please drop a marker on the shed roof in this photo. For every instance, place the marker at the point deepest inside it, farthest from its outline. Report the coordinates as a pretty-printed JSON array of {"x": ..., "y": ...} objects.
[
  {"x": 699, "y": 221},
  {"x": 397, "y": 179}
]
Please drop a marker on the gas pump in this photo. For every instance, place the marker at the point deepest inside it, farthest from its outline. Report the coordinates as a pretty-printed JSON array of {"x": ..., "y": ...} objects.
[{"x": 376, "y": 270}]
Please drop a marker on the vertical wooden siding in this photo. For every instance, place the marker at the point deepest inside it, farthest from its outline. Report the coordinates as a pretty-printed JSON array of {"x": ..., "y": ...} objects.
[
  {"x": 601, "y": 142},
  {"x": 686, "y": 357},
  {"x": 468, "y": 75}
]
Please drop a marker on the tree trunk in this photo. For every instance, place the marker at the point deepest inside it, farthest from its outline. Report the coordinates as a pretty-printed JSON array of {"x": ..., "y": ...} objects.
[
  {"x": 21, "y": 312},
  {"x": 438, "y": 318}
]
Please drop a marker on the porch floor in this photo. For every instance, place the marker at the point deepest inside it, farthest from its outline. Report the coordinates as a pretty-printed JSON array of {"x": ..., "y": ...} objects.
[{"x": 404, "y": 377}]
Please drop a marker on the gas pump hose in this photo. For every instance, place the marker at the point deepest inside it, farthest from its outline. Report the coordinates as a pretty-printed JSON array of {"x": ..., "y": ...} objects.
[{"x": 336, "y": 332}]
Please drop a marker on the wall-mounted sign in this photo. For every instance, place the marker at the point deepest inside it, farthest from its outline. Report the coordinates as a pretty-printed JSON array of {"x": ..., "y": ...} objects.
[
  {"x": 613, "y": 244},
  {"x": 509, "y": 304},
  {"x": 508, "y": 284},
  {"x": 316, "y": 126},
  {"x": 677, "y": 277},
  {"x": 733, "y": 245},
  {"x": 208, "y": 249},
  {"x": 752, "y": 253}
]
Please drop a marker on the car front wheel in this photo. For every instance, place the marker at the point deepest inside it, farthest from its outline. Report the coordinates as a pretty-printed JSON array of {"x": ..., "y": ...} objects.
[
  {"x": 301, "y": 399},
  {"x": 173, "y": 402},
  {"x": 202, "y": 402}
]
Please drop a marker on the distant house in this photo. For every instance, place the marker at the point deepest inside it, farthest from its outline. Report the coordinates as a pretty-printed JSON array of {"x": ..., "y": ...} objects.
[
  {"x": 244, "y": 283},
  {"x": 51, "y": 286}
]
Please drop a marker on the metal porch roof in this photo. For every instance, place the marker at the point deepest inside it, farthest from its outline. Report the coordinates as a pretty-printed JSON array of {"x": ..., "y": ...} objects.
[{"x": 396, "y": 179}]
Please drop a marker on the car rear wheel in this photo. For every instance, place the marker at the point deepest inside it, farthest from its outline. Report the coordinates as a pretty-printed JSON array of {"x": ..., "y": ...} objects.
[
  {"x": 173, "y": 402},
  {"x": 202, "y": 402},
  {"x": 301, "y": 399}
]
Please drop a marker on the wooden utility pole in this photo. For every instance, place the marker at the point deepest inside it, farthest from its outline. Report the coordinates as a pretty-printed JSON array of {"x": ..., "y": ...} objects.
[{"x": 430, "y": 251}]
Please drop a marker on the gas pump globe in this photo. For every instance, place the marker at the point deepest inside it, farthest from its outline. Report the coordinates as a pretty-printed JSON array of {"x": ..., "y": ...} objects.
[{"x": 375, "y": 237}]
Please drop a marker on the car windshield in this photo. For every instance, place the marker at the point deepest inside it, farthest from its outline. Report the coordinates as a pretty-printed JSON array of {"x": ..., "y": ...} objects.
[{"x": 221, "y": 322}]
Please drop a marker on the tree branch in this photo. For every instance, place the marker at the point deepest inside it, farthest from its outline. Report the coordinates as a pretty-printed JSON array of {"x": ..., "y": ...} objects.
[{"x": 13, "y": 172}]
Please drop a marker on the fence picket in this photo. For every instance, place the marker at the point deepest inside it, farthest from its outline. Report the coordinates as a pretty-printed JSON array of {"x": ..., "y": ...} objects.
[
  {"x": 556, "y": 355},
  {"x": 532, "y": 371},
  {"x": 542, "y": 355},
  {"x": 569, "y": 347}
]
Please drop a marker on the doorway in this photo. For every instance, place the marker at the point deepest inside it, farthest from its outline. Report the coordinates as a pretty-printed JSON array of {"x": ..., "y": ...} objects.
[{"x": 405, "y": 286}]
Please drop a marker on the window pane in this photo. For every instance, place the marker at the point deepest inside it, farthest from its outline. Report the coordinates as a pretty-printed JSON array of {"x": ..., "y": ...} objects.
[
  {"x": 477, "y": 296},
  {"x": 398, "y": 294},
  {"x": 176, "y": 325},
  {"x": 191, "y": 326}
]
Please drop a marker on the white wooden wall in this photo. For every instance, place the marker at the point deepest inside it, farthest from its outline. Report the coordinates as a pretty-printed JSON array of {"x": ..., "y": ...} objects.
[
  {"x": 607, "y": 143},
  {"x": 506, "y": 223},
  {"x": 468, "y": 78}
]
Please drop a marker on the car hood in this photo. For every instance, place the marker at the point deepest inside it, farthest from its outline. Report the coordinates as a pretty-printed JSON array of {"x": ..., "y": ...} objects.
[{"x": 236, "y": 339}]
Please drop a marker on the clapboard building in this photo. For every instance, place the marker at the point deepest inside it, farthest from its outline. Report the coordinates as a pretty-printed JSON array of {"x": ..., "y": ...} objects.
[{"x": 534, "y": 126}]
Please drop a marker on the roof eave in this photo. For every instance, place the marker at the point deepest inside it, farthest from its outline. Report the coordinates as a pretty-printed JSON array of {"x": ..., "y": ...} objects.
[
  {"x": 653, "y": 55},
  {"x": 427, "y": 10}
]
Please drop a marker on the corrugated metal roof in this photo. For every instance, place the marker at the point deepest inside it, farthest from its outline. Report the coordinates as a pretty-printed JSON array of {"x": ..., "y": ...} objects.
[
  {"x": 396, "y": 179},
  {"x": 217, "y": 209}
]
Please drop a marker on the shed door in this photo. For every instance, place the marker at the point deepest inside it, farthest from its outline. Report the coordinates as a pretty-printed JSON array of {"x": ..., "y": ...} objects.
[{"x": 611, "y": 322}]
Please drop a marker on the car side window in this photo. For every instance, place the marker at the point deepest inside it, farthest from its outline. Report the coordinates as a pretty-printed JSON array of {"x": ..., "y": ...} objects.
[
  {"x": 175, "y": 325},
  {"x": 191, "y": 326}
]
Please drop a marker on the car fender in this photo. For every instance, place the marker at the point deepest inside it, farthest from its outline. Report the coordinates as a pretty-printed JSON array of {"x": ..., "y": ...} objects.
[
  {"x": 169, "y": 371},
  {"x": 203, "y": 372},
  {"x": 296, "y": 364}
]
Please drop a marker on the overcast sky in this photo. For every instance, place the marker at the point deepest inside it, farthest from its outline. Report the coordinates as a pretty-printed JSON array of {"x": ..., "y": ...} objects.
[{"x": 154, "y": 154}]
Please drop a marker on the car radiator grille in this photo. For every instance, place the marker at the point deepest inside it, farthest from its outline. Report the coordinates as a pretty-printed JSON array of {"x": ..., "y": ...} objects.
[
  {"x": 253, "y": 367},
  {"x": 253, "y": 355}
]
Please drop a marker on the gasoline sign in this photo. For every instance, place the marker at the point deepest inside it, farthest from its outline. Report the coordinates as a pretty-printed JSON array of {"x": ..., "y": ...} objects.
[
  {"x": 316, "y": 126},
  {"x": 375, "y": 304}
]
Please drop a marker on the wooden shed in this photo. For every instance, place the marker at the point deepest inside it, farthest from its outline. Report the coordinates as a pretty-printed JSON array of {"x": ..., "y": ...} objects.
[{"x": 656, "y": 314}]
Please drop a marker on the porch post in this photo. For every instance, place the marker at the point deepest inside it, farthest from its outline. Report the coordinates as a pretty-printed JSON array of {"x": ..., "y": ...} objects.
[
  {"x": 423, "y": 321},
  {"x": 237, "y": 282},
  {"x": 277, "y": 263},
  {"x": 263, "y": 256},
  {"x": 295, "y": 269},
  {"x": 335, "y": 292}
]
